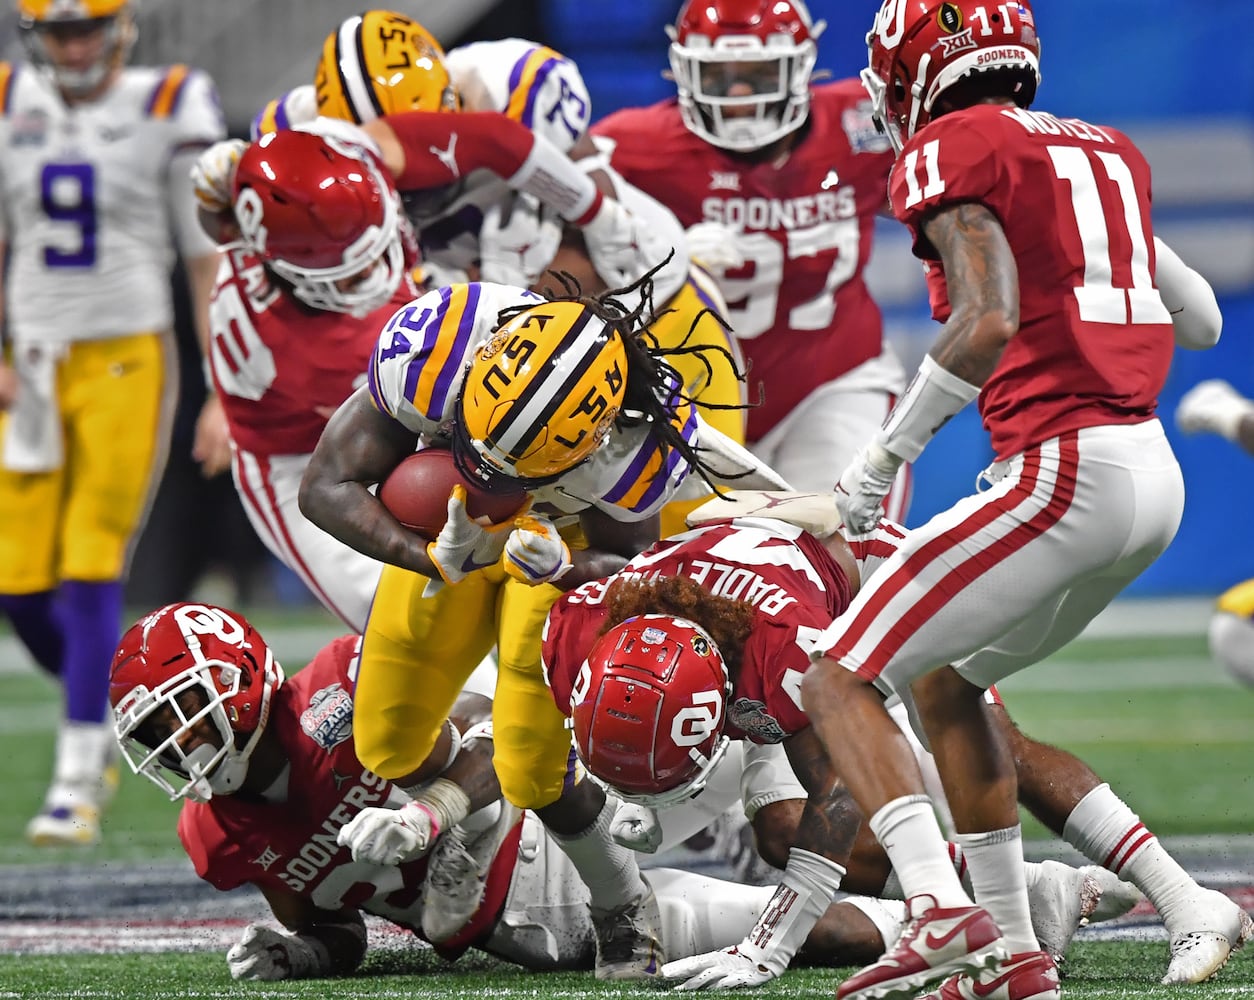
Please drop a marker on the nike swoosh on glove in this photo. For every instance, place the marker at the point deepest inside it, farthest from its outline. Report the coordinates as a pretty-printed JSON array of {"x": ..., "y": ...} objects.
[
  {"x": 212, "y": 173},
  {"x": 731, "y": 968},
  {"x": 863, "y": 486},
  {"x": 466, "y": 544},
  {"x": 390, "y": 836},
  {"x": 535, "y": 553}
]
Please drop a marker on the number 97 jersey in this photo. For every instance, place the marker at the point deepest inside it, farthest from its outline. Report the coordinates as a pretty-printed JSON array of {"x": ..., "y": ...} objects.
[{"x": 1094, "y": 341}]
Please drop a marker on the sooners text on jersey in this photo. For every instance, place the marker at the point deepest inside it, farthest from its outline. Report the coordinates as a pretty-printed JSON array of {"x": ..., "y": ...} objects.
[
  {"x": 291, "y": 846},
  {"x": 799, "y": 304}
]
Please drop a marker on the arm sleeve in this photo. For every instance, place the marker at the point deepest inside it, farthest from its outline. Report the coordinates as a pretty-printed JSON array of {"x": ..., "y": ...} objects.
[{"x": 1195, "y": 315}]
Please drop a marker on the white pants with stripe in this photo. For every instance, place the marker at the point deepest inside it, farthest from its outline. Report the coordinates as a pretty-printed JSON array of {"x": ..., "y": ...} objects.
[
  {"x": 1008, "y": 576},
  {"x": 812, "y": 445},
  {"x": 340, "y": 577}
]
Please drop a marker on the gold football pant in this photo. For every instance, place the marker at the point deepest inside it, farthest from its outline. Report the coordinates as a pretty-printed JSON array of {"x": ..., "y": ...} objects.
[
  {"x": 418, "y": 653},
  {"x": 719, "y": 394},
  {"x": 80, "y": 521}
]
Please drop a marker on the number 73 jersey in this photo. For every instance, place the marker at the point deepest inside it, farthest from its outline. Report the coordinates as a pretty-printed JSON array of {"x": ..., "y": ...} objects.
[
  {"x": 1095, "y": 340},
  {"x": 87, "y": 199},
  {"x": 795, "y": 587}
]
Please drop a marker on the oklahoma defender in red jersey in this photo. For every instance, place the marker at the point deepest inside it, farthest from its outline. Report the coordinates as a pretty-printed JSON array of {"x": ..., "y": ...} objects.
[
  {"x": 781, "y": 185},
  {"x": 269, "y": 770},
  {"x": 293, "y": 321},
  {"x": 744, "y": 596},
  {"x": 1036, "y": 231}
]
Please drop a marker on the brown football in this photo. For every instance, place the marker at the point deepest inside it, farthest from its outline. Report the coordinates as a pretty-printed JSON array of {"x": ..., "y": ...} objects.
[{"x": 416, "y": 493}]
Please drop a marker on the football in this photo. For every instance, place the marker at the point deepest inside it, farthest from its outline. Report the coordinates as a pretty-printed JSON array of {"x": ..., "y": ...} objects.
[{"x": 416, "y": 493}]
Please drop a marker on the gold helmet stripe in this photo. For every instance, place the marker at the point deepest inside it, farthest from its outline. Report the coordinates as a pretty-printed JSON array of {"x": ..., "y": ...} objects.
[
  {"x": 539, "y": 402},
  {"x": 350, "y": 64}
]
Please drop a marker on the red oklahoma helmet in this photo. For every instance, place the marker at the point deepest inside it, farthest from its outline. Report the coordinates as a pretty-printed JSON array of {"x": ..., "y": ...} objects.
[
  {"x": 316, "y": 204},
  {"x": 763, "y": 48},
  {"x": 192, "y": 648},
  {"x": 649, "y": 707},
  {"x": 919, "y": 48}
]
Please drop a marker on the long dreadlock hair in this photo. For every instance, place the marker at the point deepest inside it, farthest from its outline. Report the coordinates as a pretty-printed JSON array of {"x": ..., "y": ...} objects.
[{"x": 655, "y": 390}]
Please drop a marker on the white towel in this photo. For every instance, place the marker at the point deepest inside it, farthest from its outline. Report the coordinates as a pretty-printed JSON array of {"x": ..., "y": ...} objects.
[{"x": 32, "y": 440}]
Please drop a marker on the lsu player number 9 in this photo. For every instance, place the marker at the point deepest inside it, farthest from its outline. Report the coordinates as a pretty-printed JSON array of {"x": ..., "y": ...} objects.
[{"x": 59, "y": 21}]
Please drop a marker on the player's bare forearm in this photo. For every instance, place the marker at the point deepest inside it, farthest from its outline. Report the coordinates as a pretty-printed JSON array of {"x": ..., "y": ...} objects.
[
  {"x": 830, "y": 820},
  {"x": 473, "y": 772},
  {"x": 358, "y": 448},
  {"x": 983, "y": 283},
  {"x": 610, "y": 544}
]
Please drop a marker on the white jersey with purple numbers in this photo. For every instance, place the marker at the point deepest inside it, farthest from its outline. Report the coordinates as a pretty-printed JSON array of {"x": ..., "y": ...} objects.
[{"x": 93, "y": 196}]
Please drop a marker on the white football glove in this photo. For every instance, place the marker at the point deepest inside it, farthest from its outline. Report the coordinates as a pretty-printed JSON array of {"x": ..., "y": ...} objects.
[
  {"x": 1212, "y": 406},
  {"x": 517, "y": 241},
  {"x": 390, "y": 836},
  {"x": 466, "y": 544},
  {"x": 863, "y": 486},
  {"x": 636, "y": 827},
  {"x": 738, "y": 966},
  {"x": 269, "y": 954},
  {"x": 713, "y": 245},
  {"x": 213, "y": 172},
  {"x": 535, "y": 553}
]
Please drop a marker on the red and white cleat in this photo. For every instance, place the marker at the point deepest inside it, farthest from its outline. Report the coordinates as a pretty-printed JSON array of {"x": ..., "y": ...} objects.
[
  {"x": 1029, "y": 975},
  {"x": 935, "y": 943}
]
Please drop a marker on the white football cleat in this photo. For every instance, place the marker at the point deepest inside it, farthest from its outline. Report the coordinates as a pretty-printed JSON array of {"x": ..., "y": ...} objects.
[
  {"x": 1059, "y": 899},
  {"x": 457, "y": 874},
  {"x": 1204, "y": 940}
]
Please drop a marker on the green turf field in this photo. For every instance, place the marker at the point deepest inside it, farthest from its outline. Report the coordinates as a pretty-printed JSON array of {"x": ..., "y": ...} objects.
[
  {"x": 1095, "y": 972},
  {"x": 1155, "y": 717}
]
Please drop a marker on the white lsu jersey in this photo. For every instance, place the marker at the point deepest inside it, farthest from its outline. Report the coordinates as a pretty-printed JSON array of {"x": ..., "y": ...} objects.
[
  {"x": 87, "y": 207},
  {"x": 416, "y": 375}
]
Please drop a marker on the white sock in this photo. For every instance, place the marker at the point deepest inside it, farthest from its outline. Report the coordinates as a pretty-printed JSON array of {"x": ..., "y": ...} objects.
[
  {"x": 82, "y": 751},
  {"x": 1108, "y": 833},
  {"x": 908, "y": 830},
  {"x": 995, "y": 862},
  {"x": 481, "y": 819},
  {"x": 609, "y": 870},
  {"x": 892, "y": 884}
]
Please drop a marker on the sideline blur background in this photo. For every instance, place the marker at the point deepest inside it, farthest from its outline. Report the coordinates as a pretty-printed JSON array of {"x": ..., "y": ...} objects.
[{"x": 1150, "y": 67}]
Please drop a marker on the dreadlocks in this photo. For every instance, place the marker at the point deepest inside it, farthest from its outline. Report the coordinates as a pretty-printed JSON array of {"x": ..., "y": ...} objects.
[{"x": 655, "y": 391}]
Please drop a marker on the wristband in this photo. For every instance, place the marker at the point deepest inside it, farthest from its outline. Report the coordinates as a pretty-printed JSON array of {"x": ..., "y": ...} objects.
[
  {"x": 934, "y": 395},
  {"x": 551, "y": 176},
  {"x": 808, "y": 887}
]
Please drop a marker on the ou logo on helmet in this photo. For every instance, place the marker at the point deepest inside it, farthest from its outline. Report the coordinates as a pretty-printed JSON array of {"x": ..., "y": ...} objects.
[
  {"x": 197, "y": 620},
  {"x": 250, "y": 214},
  {"x": 890, "y": 23},
  {"x": 693, "y": 725}
]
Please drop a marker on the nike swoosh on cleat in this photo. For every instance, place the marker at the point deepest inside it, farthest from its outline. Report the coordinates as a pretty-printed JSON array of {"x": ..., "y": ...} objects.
[
  {"x": 936, "y": 942},
  {"x": 987, "y": 989}
]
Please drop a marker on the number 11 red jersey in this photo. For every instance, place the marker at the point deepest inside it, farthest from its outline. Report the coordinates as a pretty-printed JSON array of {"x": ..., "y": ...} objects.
[{"x": 1095, "y": 340}]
